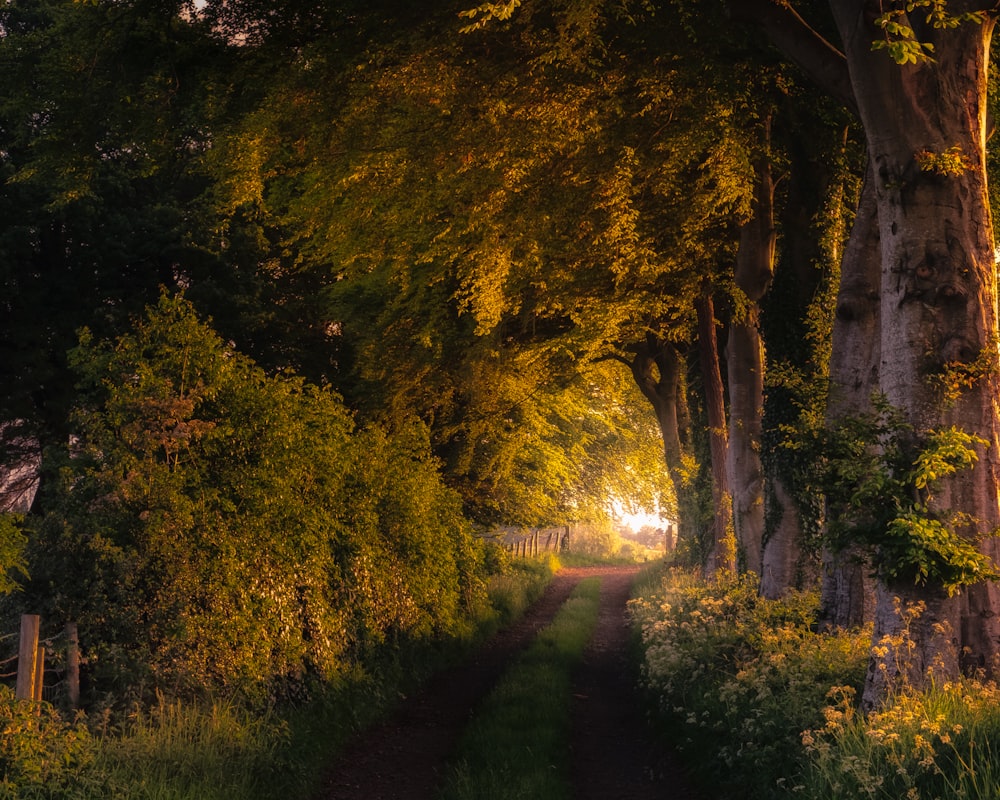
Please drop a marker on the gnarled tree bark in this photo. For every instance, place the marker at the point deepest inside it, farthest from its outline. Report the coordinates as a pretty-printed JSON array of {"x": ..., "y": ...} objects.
[
  {"x": 846, "y": 592},
  {"x": 658, "y": 371},
  {"x": 938, "y": 298}
]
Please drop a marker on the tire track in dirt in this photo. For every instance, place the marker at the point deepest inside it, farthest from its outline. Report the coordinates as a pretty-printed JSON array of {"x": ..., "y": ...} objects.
[
  {"x": 404, "y": 757},
  {"x": 615, "y": 753}
]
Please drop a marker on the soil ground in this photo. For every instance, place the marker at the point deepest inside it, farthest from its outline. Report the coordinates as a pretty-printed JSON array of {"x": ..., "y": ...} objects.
[{"x": 614, "y": 755}]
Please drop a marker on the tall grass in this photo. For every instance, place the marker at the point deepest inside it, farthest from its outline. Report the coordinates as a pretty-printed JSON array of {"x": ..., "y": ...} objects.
[
  {"x": 177, "y": 750},
  {"x": 515, "y": 746},
  {"x": 511, "y": 590},
  {"x": 942, "y": 742}
]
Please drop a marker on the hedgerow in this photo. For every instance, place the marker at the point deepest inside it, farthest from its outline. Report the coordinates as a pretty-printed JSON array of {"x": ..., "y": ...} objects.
[{"x": 213, "y": 527}]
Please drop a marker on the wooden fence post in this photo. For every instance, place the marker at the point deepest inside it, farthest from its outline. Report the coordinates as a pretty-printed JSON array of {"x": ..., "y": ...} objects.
[
  {"x": 73, "y": 664},
  {"x": 27, "y": 655},
  {"x": 36, "y": 689}
]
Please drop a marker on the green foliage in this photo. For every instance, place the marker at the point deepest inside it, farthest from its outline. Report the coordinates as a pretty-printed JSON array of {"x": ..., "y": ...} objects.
[
  {"x": 515, "y": 746},
  {"x": 540, "y": 219},
  {"x": 105, "y": 113},
  {"x": 952, "y": 379},
  {"x": 883, "y": 477},
  {"x": 486, "y": 13},
  {"x": 950, "y": 162},
  {"x": 900, "y": 41},
  {"x": 216, "y": 526},
  {"x": 414, "y": 564},
  {"x": 43, "y": 756},
  {"x": 12, "y": 552},
  {"x": 738, "y": 678}
]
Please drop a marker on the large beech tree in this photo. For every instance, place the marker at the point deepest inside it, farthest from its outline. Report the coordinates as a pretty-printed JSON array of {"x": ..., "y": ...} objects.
[{"x": 917, "y": 75}]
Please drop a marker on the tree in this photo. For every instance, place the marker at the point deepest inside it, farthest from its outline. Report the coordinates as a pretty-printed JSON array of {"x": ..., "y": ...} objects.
[
  {"x": 103, "y": 119},
  {"x": 918, "y": 76},
  {"x": 509, "y": 200}
]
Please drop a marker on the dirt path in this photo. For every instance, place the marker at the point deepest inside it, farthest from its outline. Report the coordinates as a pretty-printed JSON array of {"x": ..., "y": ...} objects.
[
  {"x": 404, "y": 758},
  {"x": 615, "y": 755}
]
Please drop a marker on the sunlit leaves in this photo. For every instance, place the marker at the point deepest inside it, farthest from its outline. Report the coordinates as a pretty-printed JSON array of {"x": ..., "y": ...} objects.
[
  {"x": 482, "y": 15},
  {"x": 230, "y": 528},
  {"x": 12, "y": 552},
  {"x": 899, "y": 39},
  {"x": 875, "y": 465},
  {"x": 490, "y": 212}
]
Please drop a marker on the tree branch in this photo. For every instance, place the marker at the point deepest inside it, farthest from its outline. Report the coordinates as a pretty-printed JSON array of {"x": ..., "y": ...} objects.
[{"x": 791, "y": 34}]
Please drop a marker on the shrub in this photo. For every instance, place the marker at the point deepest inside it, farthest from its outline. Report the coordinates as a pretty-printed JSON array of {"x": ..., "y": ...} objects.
[
  {"x": 12, "y": 546},
  {"x": 42, "y": 755},
  {"x": 741, "y": 677}
]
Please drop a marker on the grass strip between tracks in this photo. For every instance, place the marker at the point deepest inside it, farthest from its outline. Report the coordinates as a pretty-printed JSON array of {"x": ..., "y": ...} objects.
[{"x": 517, "y": 745}]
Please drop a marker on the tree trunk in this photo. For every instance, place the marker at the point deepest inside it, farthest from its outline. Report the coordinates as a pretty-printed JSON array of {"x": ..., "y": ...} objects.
[
  {"x": 722, "y": 557},
  {"x": 658, "y": 371},
  {"x": 925, "y": 127},
  {"x": 782, "y": 556},
  {"x": 745, "y": 370},
  {"x": 846, "y": 594}
]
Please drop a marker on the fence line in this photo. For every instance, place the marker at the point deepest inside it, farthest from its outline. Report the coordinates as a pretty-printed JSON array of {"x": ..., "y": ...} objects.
[
  {"x": 32, "y": 654},
  {"x": 529, "y": 542}
]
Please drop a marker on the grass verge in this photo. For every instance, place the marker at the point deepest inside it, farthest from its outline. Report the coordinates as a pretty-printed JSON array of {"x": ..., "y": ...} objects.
[
  {"x": 221, "y": 750},
  {"x": 515, "y": 746}
]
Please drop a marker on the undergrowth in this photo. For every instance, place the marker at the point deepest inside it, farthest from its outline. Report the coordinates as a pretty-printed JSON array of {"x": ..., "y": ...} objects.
[
  {"x": 762, "y": 707},
  {"x": 223, "y": 749},
  {"x": 738, "y": 678}
]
